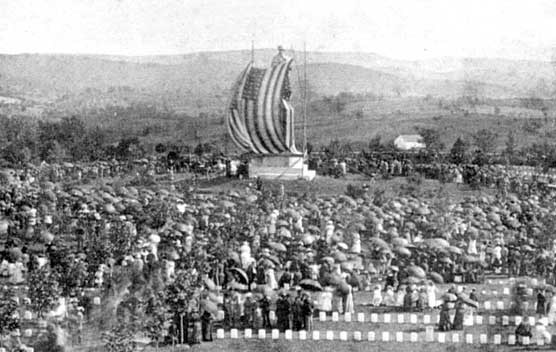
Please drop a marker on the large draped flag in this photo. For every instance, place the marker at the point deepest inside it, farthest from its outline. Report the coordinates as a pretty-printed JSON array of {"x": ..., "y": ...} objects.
[{"x": 260, "y": 118}]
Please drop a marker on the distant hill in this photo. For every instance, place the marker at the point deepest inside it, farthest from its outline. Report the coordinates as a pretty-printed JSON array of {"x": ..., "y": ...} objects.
[{"x": 182, "y": 87}]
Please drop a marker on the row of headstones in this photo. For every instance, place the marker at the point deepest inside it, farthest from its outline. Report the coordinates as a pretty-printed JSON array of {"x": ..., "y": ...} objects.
[
  {"x": 385, "y": 336},
  {"x": 505, "y": 291},
  {"x": 402, "y": 318}
]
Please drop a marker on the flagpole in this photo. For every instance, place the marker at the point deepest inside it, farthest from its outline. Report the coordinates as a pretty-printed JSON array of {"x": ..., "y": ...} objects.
[{"x": 304, "y": 100}]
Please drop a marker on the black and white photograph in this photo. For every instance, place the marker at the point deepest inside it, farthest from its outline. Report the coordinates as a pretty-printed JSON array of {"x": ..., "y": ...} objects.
[{"x": 277, "y": 175}]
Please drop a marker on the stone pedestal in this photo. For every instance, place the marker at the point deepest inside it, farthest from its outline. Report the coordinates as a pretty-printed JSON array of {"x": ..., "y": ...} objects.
[{"x": 280, "y": 167}]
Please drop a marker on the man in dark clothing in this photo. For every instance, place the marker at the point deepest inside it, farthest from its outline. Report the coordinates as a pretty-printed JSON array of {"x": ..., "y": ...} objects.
[
  {"x": 297, "y": 314},
  {"x": 307, "y": 309},
  {"x": 541, "y": 303},
  {"x": 473, "y": 295},
  {"x": 265, "y": 309},
  {"x": 206, "y": 321},
  {"x": 523, "y": 330}
]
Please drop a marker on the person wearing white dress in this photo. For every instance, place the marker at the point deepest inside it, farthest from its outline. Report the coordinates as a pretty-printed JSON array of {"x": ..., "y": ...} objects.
[
  {"x": 349, "y": 308},
  {"x": 431, "y": 295},
  {"x": 552, "y": 311},
  {"x": 389, "y": 298},
  {"x": 356, "y": 243},
  {"x": 325, "y": 301},
  {"x": 376, "y": 299},
  {"x": 271, "y": 279}
]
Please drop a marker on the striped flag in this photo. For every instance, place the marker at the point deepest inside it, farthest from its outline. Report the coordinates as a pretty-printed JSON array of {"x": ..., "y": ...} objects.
[{"x": 260, "y": 118}]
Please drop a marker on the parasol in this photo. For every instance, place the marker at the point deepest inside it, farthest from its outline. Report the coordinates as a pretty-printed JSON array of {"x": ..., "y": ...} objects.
[
  {"x": 240, "y": 275},
  {"x": 277, "y": 246},
  {"x": 436, "y": 277},
  {"x": 310, "y": 285},
  {"x": 402, "y": 251},
  {"x": 416, "y": 271}
]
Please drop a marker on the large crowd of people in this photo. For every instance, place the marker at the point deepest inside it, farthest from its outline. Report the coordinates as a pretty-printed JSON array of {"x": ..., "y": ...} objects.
[{"x": 249, "y": 253}]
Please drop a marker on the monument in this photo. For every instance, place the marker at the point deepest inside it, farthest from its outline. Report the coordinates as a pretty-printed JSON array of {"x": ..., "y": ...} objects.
[{"x": 260, "y": 121}]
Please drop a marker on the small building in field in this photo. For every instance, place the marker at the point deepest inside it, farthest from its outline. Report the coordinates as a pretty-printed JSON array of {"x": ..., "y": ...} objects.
[{"x": 409, "y": 142}]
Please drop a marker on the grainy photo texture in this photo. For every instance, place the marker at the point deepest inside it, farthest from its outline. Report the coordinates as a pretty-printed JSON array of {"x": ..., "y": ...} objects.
[{"x": 277, "y": 175}]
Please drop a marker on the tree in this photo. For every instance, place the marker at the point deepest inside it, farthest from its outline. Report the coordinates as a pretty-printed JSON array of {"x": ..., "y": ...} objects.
[
  {"x": 511, "y": 145},
  {"x": 431, "y": 138},
  {"x": 485, "y": 140},
  {"x": 43, "y": 290},
  {"x": 9, "y": 320},
  {"x": 458, "y": 153},
  {"x": 374, "y": 143}
]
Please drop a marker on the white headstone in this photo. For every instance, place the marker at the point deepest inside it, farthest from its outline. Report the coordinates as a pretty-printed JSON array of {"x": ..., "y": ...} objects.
[
  {"x": 385, "y": 336},
  {"x": 441, "y": 337},
  {"x": 532, "y": 321},
  {"x": 322, "y": 316},
  {"x": 27, "y": 332},
  {"x": 357, "y": 335},
  {"x": 248, "y": 333},
  {"x": 334, "y": 316},
  {"x": 316, "y": 335},
  {"x": 371, "y": 336},
  {"x": 288, "y": 334},
  {"x": 468, "y": 338},
  {"x": 492, "y": 320},
  {"x": 27, "y": 315},
  {"x": 413, "y": 318},
  {"x": 526, "y": 340},
  {"x": 500, "y": 305},
  {"x": 361, "y": 317},
  {"x": 413, "y": 337},
  {"x": 387, "y": 317},
  {"x": 479, "y": 319},
  {"x": 540, "y": 341},
  {"x": 429, "y": 333},
  {"x": 262, "y": 334},
  {"x": 426, "y": 319},
  {"x": 468, "y": 320},
  {"x": 399, "y": 336},
  {"x": 400, "y": 318},
  {"x": 343, "y": 335},
  {"x": 505, "y": 320},
  {"x": 96, "y": 301},
  {"x": 511, "y": 339},
  {"x": 329, "y": 335},
  {"x": 374, "y": 318},
  {"x": 506, "y": 291},
  {"x": 347, "y": 317},
  {"x": 534, "y": 282},
  {"x": 483, "y": 339},
  {"x": 303, "y": 335},
  {"x": 234, "y": 334},
  {"x": 497, "y": 339},
  {"x": 275, "y": 334},
  {"x": 455, "y": 337},
  {"x": 517, "y": 320},
  {"x": 487, "y": 305},
  {"x": 220, "y": 333}
]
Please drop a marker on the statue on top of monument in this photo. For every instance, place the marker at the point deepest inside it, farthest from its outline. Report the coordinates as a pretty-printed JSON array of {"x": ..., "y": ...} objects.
[{"x": 280, "y": 57}]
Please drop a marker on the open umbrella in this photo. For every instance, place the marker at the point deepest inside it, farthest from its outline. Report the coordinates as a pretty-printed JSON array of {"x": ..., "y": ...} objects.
[
  {"x": 282, "y": 223},
  {"x": 402, "y": 251},
  {"x": 328, "y": 260},
  {"x": 378, "y": 242},
  {"x": 209, "y": 284},
  {"x": 340, "y": 257},
  {"x": 277, "y": 246},
  {"x": 342, "y": 245},
  {"x": 455, "y": 250},
  {"x": 436, "y": 277},
  {"x": 416, "y": 271},
  {"x": 310, "y": 285},
  {"x": 400, "y": 242},
  {"x": 240, "y": 275}
]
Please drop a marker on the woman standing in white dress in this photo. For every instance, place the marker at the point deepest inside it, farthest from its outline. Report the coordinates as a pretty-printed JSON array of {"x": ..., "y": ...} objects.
[
  {"x": 349, "y": 302},
  {"x": 431, "y": 295},
  {"x": 552, "y": 311}
]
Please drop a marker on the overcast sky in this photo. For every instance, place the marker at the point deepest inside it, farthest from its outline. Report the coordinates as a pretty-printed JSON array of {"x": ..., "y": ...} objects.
[{"x": 404, "y": 29}]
